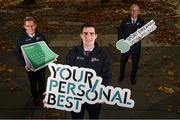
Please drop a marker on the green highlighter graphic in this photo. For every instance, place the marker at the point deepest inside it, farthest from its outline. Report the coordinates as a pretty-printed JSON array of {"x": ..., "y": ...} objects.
[
  {"x": 124, "y": 45},
  {"x": 37, "y": 55}
]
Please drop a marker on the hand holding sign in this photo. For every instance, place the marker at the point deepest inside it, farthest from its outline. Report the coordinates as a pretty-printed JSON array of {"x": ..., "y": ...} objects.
[
  {"x": 124, "y": 45},
  {"x": 27, "y": 68},
  {"x": 37, "y": 55}
]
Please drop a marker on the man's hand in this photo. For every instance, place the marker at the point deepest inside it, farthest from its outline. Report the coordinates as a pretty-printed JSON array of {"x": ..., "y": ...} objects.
[
  {"x": 55, "y": 60},
  {"x": 44, "y": 101},
  {"x": 27, "y": 68}
]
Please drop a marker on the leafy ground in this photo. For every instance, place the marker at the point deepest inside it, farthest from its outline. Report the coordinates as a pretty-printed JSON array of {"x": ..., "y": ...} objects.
[{"x": 66, "y": 17}]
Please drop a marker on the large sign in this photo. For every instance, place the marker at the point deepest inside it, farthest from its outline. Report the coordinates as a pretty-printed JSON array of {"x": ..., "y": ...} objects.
[
  {"x": 69, "y": 87},
  {"x": 124, "y": 45}
]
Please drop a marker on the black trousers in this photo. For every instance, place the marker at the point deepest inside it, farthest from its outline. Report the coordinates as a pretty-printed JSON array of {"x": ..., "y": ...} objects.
[
  {"x": 93, "y": 111},
  {"x": 37, "y": 82},
  {"x": 135, "y": 52}
]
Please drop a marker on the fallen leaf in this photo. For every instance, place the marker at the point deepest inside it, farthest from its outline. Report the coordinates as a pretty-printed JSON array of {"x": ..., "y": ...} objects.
[
  {"x": 166, "y": 57},
  {"x": 147, "y": 94},
  {"x": 177, "y": 81},
  {"x": 12, "y": 89},
  {"x": 169, "y": 110},
  {"x": 129, "y": 60},
  {"x": 166, "y": 89},
  {"x": 151, "y": 74},
  {"x": 177, "y": 89},
  {"x": 55, "y": 115},
  {"x": 172, "y": 65},
  {"x": 144, "y": 63},
  {"x": 3, "y": 48},
  {"x": 171, "y": 73},
  {"x": 178, "y": 111},
  {"x": 170, "y": 78},
  {"x": 8, "y": 50},
  {"x": 117, "y": 64},
  {"x": 164, "y": 71},
  {"x": 169, "y": 106},
  {"x": 10, "y": 70},
  {"x": 3, "y": 68},
  {"x": 8, "y": 79}
]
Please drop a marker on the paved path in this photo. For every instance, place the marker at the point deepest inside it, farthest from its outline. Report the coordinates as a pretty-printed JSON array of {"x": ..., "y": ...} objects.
[{"x": 16, "y": 101}]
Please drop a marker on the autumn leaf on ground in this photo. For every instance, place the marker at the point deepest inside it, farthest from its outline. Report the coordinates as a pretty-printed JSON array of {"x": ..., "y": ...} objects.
[
  {"x": 177, "y": 89},
  {"x": 166, "y": 89},
  {"x": 177, "y": 81},
  {"x": 147, "y": 94},
  {"x": 165, "y": 57},
  {"x": 9, "y": 50},
  {"x": 9, "y": 79},
  {"x": 151, "y": 74},
  {"x": 171, "y": 73},
  {"x": 170, "y": 78},
  {"x": 144, "y": 63},
  {"x": 129, "y": 60},
  {"x": 169, "y": 110},
  {"x": 146, "y": 52},
  {"x": 172, "y": 65},
  {"x": 178, "y": 111},
  {"x": 54, "y": 115},
  {"x": 164, "y": 71},
  {"x": 10, "y": 70},
  {"x": 12, "y": 89},
  {"x": 3, "y": 68}
]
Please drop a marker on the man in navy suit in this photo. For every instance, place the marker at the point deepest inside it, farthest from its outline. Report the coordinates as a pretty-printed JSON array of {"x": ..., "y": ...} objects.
[
  {"x": 128, "y": 26},
  {"x": 36, "y": 79}
]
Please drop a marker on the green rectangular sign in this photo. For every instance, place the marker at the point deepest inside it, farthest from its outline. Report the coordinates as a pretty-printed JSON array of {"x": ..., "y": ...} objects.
[{"x": 37, "y": 55}]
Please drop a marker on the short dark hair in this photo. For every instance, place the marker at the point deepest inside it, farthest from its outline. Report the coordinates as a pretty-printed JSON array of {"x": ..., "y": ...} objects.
[
  {"x": 86, "y": 25},
  {"x": 29, "y": 18}
]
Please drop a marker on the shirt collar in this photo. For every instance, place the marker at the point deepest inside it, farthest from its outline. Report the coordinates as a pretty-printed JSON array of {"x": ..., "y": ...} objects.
[
  {"x": 91, "y": 49},
  {"x": 132, "y": 19},
  {"x": 31, "y": 35}
]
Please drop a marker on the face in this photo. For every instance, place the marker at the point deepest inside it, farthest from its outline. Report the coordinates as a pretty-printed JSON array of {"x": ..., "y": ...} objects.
[
  {"x": 30, "y": 27},
  {"x": 88, "y": 37},
  {"x": 135, "y": 10}
]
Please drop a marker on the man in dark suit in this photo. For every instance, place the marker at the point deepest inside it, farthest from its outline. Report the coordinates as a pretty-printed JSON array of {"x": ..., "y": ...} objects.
[
  {"x": 89, "y": 55},
  {"x": 128, "y": 26},
  {"x": 36, "y": 79}
]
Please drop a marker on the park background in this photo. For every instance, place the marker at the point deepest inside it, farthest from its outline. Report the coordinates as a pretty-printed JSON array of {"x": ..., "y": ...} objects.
[{"x": 157, "y": 92}]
